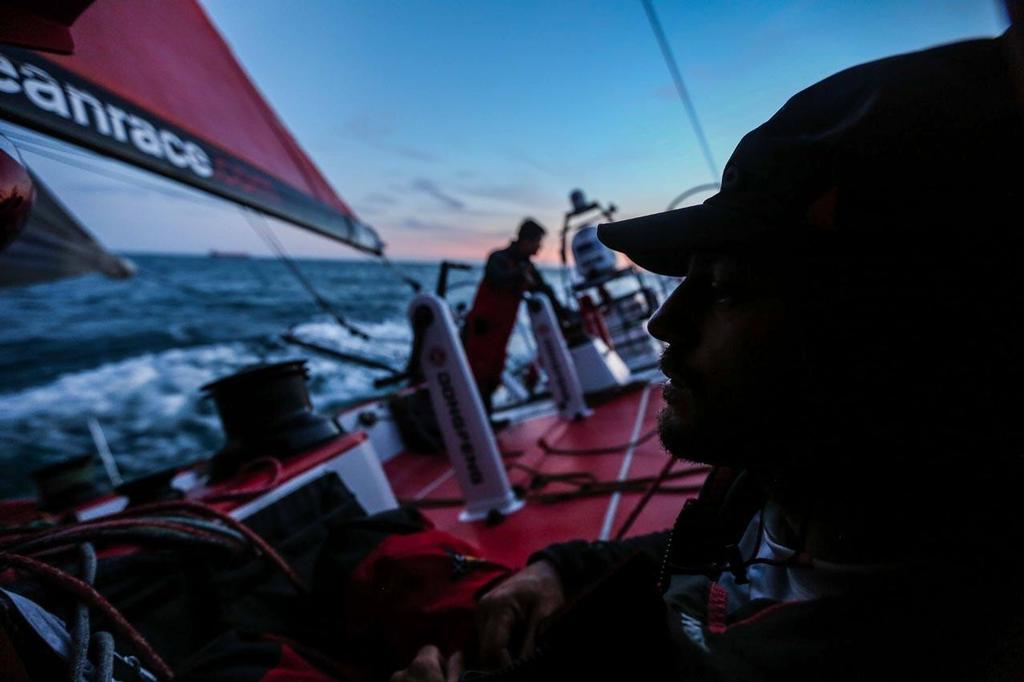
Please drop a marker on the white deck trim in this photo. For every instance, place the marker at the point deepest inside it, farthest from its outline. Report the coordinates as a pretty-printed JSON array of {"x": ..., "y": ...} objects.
[
  {"x": 627, "y": 460},
  {"x": 434, "y": 485}
]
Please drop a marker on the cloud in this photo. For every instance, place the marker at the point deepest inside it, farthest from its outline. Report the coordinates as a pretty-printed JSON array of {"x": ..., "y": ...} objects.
[
  {"x": 429, "y": 238},
  {"x": 367, "y": 127},
  {"x": 380, "y": 200},
  {"x": 420, "y": 225},
  {"x": 411, "y": 153},
  {"x": 430, "y": 188},
  {"x": 511, "y": 193},
  {"x": 556, "y": 169},
  {"x": 377, "y": 131}
]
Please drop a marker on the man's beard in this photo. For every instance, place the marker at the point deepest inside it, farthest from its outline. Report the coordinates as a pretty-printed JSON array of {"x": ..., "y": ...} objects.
[
  {"x": 682, "y": 441},
  {"x": 689, "y": 435},
  {"x": 674, "y": 436},
  {"x": 681, "y": 434},
  {"x": 707, "y": 434}
]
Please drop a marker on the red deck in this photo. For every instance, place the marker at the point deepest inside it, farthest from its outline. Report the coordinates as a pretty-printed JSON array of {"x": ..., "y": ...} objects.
[{"x": 620, "y": 421}]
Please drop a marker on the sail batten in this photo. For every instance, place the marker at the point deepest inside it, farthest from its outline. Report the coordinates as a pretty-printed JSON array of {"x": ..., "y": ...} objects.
[{"x": 153, "y": 84}]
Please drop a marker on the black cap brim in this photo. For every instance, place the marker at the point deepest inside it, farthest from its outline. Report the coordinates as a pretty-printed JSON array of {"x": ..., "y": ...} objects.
[{"x": 664, "y": 242}]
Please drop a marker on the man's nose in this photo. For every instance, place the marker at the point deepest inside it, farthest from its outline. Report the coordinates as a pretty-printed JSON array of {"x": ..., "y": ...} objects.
[{"x": 672, "y": 322}]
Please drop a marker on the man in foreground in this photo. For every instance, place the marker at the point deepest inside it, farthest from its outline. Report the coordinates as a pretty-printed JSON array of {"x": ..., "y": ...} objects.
[
  {"x": 489, "y": 323},
  {"x": 846, "y": 350}
]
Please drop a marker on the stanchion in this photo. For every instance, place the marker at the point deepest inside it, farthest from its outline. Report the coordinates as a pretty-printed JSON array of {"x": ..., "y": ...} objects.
[
  {"x": 555, "y": 359},
  {"x": 464, "y": 425}
]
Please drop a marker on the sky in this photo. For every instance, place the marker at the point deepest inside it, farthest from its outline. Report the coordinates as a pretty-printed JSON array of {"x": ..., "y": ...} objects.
[{"x": 443, "y": 123}]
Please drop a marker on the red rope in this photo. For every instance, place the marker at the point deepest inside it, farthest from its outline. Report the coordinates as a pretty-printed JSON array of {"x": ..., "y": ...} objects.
[
  {"x": 72, "y": 532},
  {"x": 125, "y": 520},
  {"x": 85, "y": 592},
  {"x": 200, "y": 509},
  {"x": 244, "y": 494}
]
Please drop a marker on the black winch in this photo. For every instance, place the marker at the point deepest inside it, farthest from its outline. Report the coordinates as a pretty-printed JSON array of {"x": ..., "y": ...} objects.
[
  {"x": 265, "y": 411},
  {"x": 68, "y": 483}
]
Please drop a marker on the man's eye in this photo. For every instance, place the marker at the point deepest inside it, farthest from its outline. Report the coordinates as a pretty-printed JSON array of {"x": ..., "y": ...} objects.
[{"x": 725, "y": 294}]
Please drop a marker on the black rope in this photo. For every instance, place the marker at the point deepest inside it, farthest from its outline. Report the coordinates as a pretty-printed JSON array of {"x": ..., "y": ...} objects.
[
  {"x": 548, "y": 449},
  {"x": 655, "y": 485}
]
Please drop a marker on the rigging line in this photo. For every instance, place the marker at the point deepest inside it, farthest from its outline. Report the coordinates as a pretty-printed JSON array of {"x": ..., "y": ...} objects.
[
  {"x": 43, "y": 146},
  {"x": 49, "y": 143},
  {"x": 677, "y": 78},
  {"x": 415, "y": 284},
  {"x": 55, "y": 155},
  {"x": 263, "y": 229}
]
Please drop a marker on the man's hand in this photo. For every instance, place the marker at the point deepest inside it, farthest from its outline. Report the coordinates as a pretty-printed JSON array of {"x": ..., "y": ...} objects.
[
  {"x": 427, "y": 667},
  {"x": 508, "y": 615}
]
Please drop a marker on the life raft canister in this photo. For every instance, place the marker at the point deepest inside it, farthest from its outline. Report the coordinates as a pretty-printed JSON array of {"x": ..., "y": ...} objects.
[{"x": 593, "y": 320}]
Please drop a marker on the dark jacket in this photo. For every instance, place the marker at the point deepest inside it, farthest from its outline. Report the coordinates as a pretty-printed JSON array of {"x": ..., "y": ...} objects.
[{"x": 944, "y": 617}]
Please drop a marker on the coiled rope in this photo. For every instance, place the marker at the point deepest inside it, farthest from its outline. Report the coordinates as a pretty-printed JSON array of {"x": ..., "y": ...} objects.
[
  {"x": 177, "y": 523},
  {"x": 86, "y": 593}
]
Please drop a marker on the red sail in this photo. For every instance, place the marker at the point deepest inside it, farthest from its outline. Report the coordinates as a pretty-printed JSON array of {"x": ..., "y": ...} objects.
[{"x": 153, "y": 83}]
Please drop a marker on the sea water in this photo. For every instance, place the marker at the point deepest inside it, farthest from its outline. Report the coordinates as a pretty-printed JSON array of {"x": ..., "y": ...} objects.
[{"x": 133, "y": 354}]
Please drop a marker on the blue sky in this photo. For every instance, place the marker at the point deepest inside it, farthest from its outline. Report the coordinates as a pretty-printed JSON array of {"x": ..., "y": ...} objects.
[{"x": 443, "y": 123}]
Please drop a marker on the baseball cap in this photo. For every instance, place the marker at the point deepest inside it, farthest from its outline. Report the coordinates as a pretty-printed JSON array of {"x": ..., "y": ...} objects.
[{"x": 916, "y": 149}]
